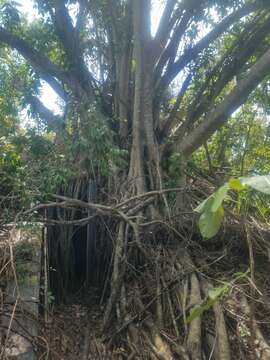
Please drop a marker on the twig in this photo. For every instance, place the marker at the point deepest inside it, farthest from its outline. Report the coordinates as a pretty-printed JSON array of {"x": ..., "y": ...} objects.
[
  {"x": 150, "y": 193},
  {"x": 9, "y": 328}
]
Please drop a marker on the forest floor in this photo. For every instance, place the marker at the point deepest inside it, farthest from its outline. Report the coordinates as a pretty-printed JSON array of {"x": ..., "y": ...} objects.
[{"x": 73, "y": 330}]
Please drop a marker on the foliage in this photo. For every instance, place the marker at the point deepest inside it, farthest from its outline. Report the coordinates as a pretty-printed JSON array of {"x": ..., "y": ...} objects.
[
  {"x": 211, "y": 209},
  {"x": 42, "y": 166},
  {"x": 241, "y": 147},
  {"x": 214, "y": 295},
  {"x": 95, "y": 148}
]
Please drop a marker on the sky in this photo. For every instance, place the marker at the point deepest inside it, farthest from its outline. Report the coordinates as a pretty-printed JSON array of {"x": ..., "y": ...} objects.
[{"x": 48, "y": 95}]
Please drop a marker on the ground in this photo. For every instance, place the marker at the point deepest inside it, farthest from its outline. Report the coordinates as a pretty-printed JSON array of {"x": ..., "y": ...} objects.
[{"x": 73, "y": 330}]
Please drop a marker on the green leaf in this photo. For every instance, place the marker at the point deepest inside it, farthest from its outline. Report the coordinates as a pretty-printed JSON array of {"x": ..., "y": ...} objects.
[
  {"x": 210, "y": 222},
  {"x": 219, "y": 196},
  {"x": 214, "y": 201},
  {"x": 205, "y": 205},
  {"x": 236, "y": 184},
  {"x": 259, "y": 183},
  {"x": 196, "y": 312},
  {"x": 216, "y": 292}
]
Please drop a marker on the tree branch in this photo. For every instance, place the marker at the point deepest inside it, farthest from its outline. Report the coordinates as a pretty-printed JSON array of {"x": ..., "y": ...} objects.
[
  {"x": 70, "y": 39},
  {"x": 81, "y": 16},
  {"x": 54, "y": 122},
  {"x": 171, "y": 50},
  {"x": 225, "y": 70},
  {"x": 165, "y": 23},
  {"x": 191, "y": 53},
  {"x": 55, "y": 85},
  {"x": 66, "y": 31},
  {"x": 48, "y": 70},
  {"x": 173, "y": 114},
  {"x": 218, "y": 117}
]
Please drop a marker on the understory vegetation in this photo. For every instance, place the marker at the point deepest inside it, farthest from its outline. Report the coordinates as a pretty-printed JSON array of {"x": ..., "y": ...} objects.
[{"x": 149, "y": 174}]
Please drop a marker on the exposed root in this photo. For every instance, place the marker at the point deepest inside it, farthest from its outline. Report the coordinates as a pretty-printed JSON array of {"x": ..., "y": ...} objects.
[
  {"x": 222, "y": 336},
  {"x": 245, "y": 319},
  {"x": 116, "y": 274},
  {"x": 133, "y": 336},
  {"x": 158, "y": 345},
  {"x": 159, "y": 305},
  {"x": 219, "y": 345},
  {"x": 194, "y": 334},
  {"x": 155, "y": 270},
  {"x": 171, "y": 310}
]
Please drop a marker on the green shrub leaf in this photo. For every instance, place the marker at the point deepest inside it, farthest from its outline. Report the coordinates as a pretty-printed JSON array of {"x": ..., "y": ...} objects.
[
  {"x": 205, "y": 205},
  {"x": 260, "y": 183},
  {"x": 210, "y": 222},
  {"x": 219, "y": 196},
  {"x": 214, "y": 294}
]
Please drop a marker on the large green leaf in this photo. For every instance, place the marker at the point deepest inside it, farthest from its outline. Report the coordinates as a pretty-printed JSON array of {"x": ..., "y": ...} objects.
[
  {"x": 210, "y": 222},
  {"x": 205, "y": 205},
  {"x": 219, "y": 196},
  {"x": 260, "y": 183},
  {"x": 211, "y": 210},
  {"x": 214, "y": 201}
]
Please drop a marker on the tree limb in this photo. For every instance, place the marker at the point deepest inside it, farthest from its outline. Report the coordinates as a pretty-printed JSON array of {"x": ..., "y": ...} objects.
[
  {"x": 173, "y": 114},
  {"x": 43, "y": 65},
  {"x": 218, "y": 117},
  {"x": 54, "y": 84},
  {"x": 70, "y": 39},
  {"x": 165, "y": 24},
  {"x": 229, "y": 66},
  {"x": 170, "y": 52},
  {"x": 52, "y": 121},
  {"x": 191, "y": 53}
]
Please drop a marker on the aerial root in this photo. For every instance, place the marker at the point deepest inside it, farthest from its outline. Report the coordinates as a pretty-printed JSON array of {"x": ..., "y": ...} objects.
[
  {"x": 218, "y": 344},
  {"x": 151, "y": 298},
  {"x": 223, "y": 345},
  {"x": 247, "y": 326},
  {"x": 158, "y": 295},
  {"x": 171, "y": 309},
  {"x": 132, "y": 336},
  {"x": 117, "y": 274},
  {"x": 194, "y": 333},
  {"x": 159, "y": 347}
]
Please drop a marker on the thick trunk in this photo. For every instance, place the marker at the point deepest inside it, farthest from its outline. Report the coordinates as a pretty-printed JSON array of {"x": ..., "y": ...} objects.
[
  {"x": 144, "y": 150},
  {"x": 136, "y": 169}
]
